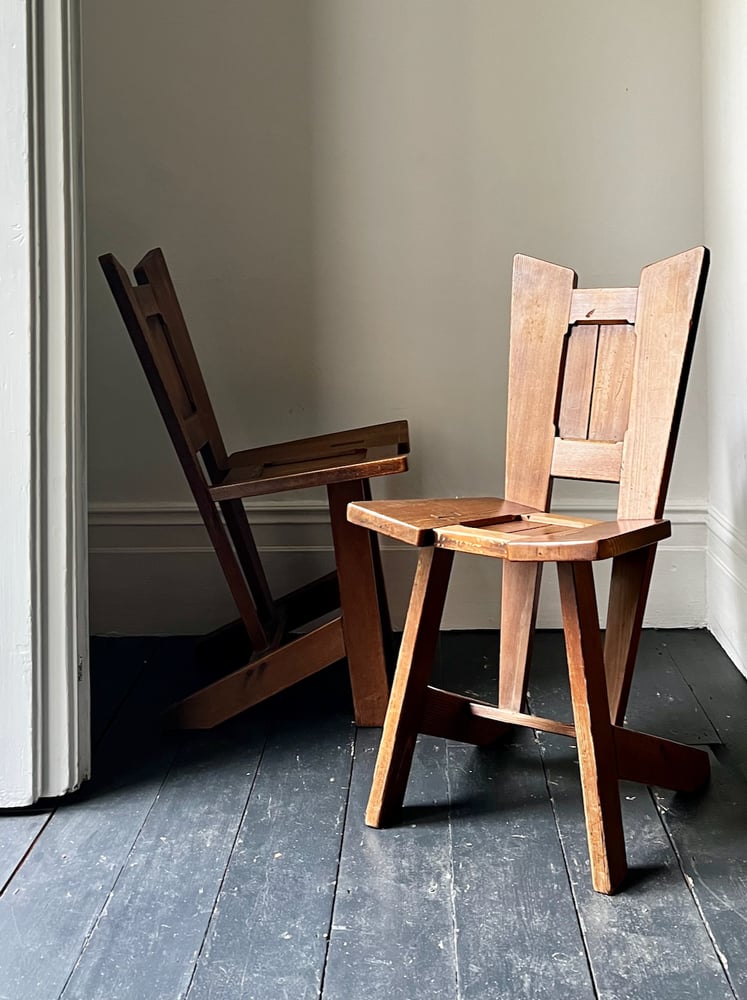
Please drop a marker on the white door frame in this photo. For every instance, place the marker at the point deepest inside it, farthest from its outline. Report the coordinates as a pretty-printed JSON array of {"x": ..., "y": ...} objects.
[{"x": 44, "y": 703}]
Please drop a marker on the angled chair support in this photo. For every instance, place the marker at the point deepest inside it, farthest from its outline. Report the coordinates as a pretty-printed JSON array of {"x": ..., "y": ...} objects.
[
  {"x": 596, "y": 387},
  {"x": 343, "y": 462}
]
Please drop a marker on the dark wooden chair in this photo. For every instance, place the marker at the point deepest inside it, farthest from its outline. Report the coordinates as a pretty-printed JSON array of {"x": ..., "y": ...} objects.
[
  {"x": 596, "y": 386},
  {"x": 344, "y": 462}
]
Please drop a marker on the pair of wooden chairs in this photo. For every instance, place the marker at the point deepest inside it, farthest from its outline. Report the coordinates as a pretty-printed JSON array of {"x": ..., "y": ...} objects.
[{"x": 596, "y": 387}]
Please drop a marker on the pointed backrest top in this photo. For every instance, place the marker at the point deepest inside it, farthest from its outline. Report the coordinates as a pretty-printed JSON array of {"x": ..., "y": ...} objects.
[
  {"x": 597, "y": 379},
  {"x": 159, "y": 333}
]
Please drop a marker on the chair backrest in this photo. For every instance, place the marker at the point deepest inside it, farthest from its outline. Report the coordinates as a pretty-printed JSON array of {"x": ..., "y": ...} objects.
[
  {"x": 597, "y": 379},
  {"x": 153, "y": 317}
]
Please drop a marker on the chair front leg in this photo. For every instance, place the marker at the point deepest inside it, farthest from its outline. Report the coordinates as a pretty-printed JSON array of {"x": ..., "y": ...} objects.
[
  {"x": 360, "y": 601},
  {"x": 407, "y": 701},
  {"x": 594, "y": 732}
]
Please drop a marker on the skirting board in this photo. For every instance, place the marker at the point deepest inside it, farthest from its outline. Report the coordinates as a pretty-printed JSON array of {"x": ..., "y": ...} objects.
[
  {"x": 727, "y": 587},
  {"x": 152, "y": 571}
]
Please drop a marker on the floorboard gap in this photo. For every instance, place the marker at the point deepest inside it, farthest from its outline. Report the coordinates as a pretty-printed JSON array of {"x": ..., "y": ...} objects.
[
  {"x": 720, "y": 957},
  {"x": 343, "y": 827},
  {"x": 123, "y": 866},
  {"x": 221, "y": 883},
  {"x": 548, "y": 785},
  {"x": 26, "y": 853},
  {"x": 452, "y": 875}
]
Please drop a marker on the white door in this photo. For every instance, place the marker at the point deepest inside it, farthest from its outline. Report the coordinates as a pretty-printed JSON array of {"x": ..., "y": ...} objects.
[{"x": 44, "y": 707}]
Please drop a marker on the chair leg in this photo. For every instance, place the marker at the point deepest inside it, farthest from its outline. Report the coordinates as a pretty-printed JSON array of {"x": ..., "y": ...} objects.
[
  {"x": 594, "y": 733},
  {"x": 361, "y": 618},
  {"x": 384, "y": 616},
  {"x": 520, "y": 592},
  {"x": 631, "y": 576},
  {"x": 406, "y": 704}
]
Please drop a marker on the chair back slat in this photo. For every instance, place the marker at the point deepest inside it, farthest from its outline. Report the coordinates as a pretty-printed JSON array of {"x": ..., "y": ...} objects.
[
  {"x": 599, "y": 461},
  {"x": 613, "y": 380},
  {"x": 156, "y": 325},
  {"x": 171, "y": 346},
  {"x": 603, "y": 305},
  {"x": 669, "y": 301},
  {"x": 540, "y": 307},
  {"x": 578, "y": 382},
  {"x": 597, "y": 379}
]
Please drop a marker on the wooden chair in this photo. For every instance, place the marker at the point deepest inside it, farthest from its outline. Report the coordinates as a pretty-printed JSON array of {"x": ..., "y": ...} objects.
[
  {"x": 343, "y": 462},
  {"x": 596, "y": 387}
]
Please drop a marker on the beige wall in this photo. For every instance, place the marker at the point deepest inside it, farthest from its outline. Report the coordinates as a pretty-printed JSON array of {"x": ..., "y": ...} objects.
[
  {"x": 725, "y": 100},
  {"x": 339, "y": 186}
]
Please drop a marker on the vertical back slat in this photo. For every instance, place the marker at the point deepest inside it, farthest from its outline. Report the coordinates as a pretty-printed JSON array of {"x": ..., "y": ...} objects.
[
  {"x": 152, "y": 270},
  {"x": 669, "y": 299},
  {"x": 613, "y": 379},
  {"x": 578, "y": 381},
  {"x": 540, "y": 307}
]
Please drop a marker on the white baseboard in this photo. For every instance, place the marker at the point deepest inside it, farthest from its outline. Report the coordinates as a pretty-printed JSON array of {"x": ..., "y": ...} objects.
[
  {"x": 153, "y": 572},
  {"x": 727, "y": 587}
]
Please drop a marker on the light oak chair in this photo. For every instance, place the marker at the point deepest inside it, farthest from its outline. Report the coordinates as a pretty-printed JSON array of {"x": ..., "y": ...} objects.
[
  {"x": 596, "y": 386},
  {"x": 344, "y": 462}
]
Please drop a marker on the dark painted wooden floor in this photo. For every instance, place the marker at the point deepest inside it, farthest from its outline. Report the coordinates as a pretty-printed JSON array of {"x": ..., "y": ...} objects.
[{"x": 235, "y": 864}]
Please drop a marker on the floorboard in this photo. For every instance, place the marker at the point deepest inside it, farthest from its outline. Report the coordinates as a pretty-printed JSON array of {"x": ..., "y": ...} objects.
[
  {"x": 268, "y": 935},
  {"x": 149, "y": 933},
  {"x": 518, "y": 933},
  {"x": 649, "y": 941},
  {"x": 235, "y": 864},
  {"x": 393, "y": 933},
  {"x": 709, "y": 831}
]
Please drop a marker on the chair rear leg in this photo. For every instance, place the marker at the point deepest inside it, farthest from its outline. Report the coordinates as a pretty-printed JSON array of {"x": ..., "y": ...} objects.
[
  {"x": 384, "y": 616},
  {"x": 406, "y": 704},
  {"x": 594, "y": 734},
  {"x": 359, "y": 598},
  {"x": 520, "y": 593},
  {"x": 631, "y": 577}
]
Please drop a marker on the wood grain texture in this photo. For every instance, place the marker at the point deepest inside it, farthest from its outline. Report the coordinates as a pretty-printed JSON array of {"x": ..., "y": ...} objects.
[
  {"x": 407, "y": 699},
  {"x": 652, "y": 760},
  {"x": 18, "y": 832},
  {"x": 540, "y": 307},
  {"x": 519, "y": 599},
  {"x": 145, "y": 941},
  {"x": 578, "y": 382},
  {"x": 414, "y": 521},
  {"x": 359, "y": 595},
  {"x": 261, "y": 678},
  {"x": 629, "y": 586},
  {"x": 648, "y": 942},
  {"x": 603, "y": 305},
  {"x": 596, "y": 744},
  {"x": 613, "y": 381},
  {"x": 392, "y": 932},
  {"x": 554, "y": 542},
  {"x": 361, "y": 453},
  {"x": 598, "y": 461},
  {"x": 509, "y": 877},
  {"x": 267, "y": 936},
  {"x": 57, "y": 896},
  {"x": 452, "y": 716},
  {"x": 709, "y": 831},
  {"x": 669, "y": 300}
]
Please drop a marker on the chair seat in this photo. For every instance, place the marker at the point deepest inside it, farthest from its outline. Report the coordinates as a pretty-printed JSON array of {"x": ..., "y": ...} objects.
[
  {"x": 490, "y": 526},
  {"x": 359, "y": 453}
]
